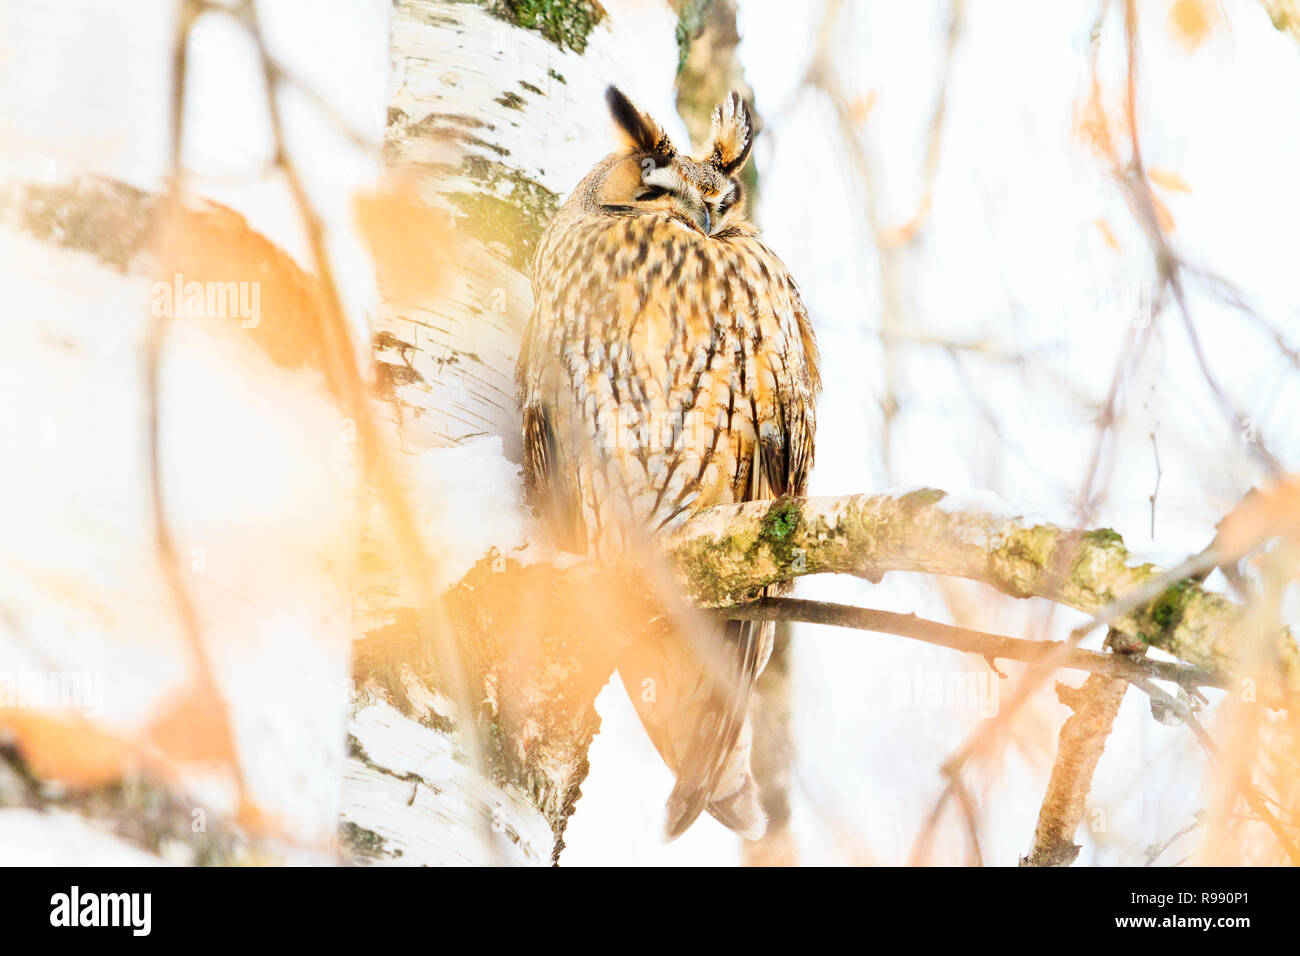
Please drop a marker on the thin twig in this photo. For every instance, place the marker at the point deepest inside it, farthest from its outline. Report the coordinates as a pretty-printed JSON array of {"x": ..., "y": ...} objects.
[
  {"x": 1155, "y": 492},
  {"x": 1141, "y": 200},
  {"x": 1257, "y": 802},
  {"x": 989, "y": 646},
  {"x": 1156, "y": 850}
]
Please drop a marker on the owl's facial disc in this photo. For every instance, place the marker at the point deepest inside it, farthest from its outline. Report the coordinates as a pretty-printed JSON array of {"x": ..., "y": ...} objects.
[
  {"x": 666, "y": 188},
  {"x": 699, "y": 196},
  {"x": 695, "y": 196}
]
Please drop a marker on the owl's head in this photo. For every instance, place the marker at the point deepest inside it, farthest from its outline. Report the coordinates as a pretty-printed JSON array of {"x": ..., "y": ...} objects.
[{"x": 651, "y": 177}]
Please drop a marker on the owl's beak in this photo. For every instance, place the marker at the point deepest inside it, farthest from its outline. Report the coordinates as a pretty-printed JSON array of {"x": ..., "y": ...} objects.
[{"x": 708, "y": 221}]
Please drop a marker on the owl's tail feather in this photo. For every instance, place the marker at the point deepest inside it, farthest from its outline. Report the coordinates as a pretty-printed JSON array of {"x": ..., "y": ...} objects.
[
  {"x": 742, "y": 812},
  {"x": 683, "y": 809},
  {"x": 714, "y": 773}
]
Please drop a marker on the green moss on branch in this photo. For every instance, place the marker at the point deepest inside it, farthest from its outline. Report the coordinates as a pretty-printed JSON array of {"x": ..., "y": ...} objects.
[{"x": 726, "y": 554}]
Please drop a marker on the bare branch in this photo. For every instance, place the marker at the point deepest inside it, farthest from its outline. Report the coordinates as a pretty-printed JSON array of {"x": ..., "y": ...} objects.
[
  {"x": 1252, "y": 795},
  {"x": 991, "y": 647}
]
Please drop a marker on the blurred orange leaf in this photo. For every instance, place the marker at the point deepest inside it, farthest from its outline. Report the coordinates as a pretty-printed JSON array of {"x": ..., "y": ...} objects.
[
  {"x": 860, "y": 107},
  {"x": 1092, "y": 125},
  {"x": 1167, "y": 180},
  {"x": 1104, "y": 228},
  {"x": 69, "y": 749},
  {"x": 411, "y": 242},
  {"x": 192, "y": 729},
  {"x": 214, "y": 266},
  {"x": 895, "y": 236},
  {"x": 1262, "y": 514},
  {"x": 81, "y": 753},
  {"x": 1192, "y": 21},
  {"x": 1164, "y": 217}
]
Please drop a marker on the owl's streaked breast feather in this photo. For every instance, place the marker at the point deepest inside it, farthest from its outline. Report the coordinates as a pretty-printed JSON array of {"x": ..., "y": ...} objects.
[{"x": 676, "y": 346}]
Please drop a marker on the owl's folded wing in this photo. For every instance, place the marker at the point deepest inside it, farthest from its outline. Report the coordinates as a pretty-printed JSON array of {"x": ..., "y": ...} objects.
[{"x": 544, "y": 478}]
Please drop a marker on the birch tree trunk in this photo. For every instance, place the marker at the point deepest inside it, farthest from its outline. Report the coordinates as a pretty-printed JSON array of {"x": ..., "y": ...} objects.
[{"x": 496, "y": 111}]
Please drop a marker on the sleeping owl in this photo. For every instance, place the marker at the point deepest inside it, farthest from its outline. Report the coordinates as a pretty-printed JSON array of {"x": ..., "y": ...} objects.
[{"x": 669, "y": 365}]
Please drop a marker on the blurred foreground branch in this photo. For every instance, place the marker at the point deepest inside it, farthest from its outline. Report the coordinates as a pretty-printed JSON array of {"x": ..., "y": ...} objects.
[{"x": 1285, "y": 15}]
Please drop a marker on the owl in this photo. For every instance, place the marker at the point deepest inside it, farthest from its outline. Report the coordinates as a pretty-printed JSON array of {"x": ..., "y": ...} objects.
[{"x": 669, "y": 365}]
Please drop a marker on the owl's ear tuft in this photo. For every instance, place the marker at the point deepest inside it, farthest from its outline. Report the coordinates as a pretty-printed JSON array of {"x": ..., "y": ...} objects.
[
  {"x": 732, "y": 135},
  {"x": 640, "y": 130}
]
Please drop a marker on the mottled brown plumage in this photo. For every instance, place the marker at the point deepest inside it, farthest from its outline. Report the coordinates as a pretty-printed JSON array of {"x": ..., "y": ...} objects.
[{"x": 669, "y": 366}]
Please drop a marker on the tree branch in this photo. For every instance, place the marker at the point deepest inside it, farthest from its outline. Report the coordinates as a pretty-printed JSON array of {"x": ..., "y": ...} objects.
[
  {"x": 1083, "y": 738},
  {"x": 725, "y": 554},
  {"x": 989, "y": 646}
]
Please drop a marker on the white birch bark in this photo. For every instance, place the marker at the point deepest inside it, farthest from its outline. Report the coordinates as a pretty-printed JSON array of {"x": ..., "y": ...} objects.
[{"x": 496, "y": 123}]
